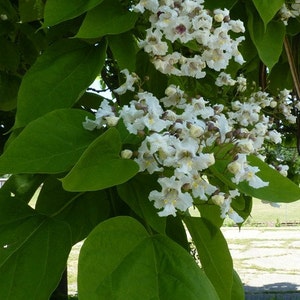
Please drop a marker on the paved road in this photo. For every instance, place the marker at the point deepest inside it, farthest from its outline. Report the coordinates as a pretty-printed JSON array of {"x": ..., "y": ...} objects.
[{"x": 267, "y": 259}]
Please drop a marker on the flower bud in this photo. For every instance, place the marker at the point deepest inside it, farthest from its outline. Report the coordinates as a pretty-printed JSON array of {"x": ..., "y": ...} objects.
[
  {"x": 3, "y": 17},
  {"x": 126, "y": 154},
  {"x": 234, "y": 167},
  {"x": 196, "y": 131},
  {"x": 218, "y": 18},
  {"x": 218, "y": 199},
  {"x": 112, "y": 120}
]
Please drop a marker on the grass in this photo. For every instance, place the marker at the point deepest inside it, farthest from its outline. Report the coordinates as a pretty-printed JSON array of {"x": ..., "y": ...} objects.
[{"x": 266, "y": 215}]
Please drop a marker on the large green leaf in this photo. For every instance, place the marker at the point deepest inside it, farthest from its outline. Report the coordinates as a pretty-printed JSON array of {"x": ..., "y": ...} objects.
[
  {"x": 82, "y": 211},
  {"x": 110, "y": 17},
  {"x": 100, "y": 166},
  {"x": 268, "y": 41},
  {"x": 124, "y": 49},
  {"x": 120, "y": 260},
  {"x": 58, "y": 78},
  {"x": 267, "y": 9},
  {"x": 50, "y": 144},
  {"x": 33, "y": 253},
  {"x": 57, "y": 11},
  {"x": 213, "y": 253},
  {"x": 135, "y": 193}
]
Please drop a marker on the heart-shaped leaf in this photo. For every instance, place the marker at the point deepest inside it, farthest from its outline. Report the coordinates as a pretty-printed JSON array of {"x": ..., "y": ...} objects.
[
  {"x": 33, "y": 251},
  {"x": 49, "y": 144},
  {"x": 119, "y": 251}
]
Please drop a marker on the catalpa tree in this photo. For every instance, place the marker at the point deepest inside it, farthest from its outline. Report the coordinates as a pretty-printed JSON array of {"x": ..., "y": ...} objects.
[{"x": 198, "y": 111}]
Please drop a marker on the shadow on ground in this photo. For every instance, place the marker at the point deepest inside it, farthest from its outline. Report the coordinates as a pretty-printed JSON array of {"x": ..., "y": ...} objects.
[{"x": 274, "y": 291}]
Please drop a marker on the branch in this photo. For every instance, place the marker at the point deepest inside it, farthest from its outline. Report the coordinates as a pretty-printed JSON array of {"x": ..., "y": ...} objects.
[{"x": 292, "y": 66}]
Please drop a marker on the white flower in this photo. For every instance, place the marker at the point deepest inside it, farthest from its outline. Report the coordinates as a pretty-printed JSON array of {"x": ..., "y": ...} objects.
[
  {"x": 283, "y": 170},
  {"x": 132, "y": 118},
  {"x": 193, "y": 67},
  {"x": 104, "y": 111},
  {"x": 236, "y": 26},
  {"x": 153, "y": 43},
  {"x": 151, "y": 5},
  {"x": 167, "y": 64},
  {"x": 131, "y": 79},
  {"x": 273, "y": 204},
  {"x": 89, "y": 124},
  {"x": 224, "y": 79},
  {"x": 244, "y": 172},
  {"x": 233, "y": 215},
  {"x": 275, "y": 136},
  {"x": 171, "y": 197},
  {"x": 201, "y": 188},
  {"x": 146, "y": 159},
  {"x": 242, "y": 83}
]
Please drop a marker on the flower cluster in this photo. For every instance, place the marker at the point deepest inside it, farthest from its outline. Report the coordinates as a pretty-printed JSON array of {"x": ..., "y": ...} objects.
[
  {"x": 181, "y": 138},
  {"x": 205, "y": 34},
  {"x": 289, "y": 11}
]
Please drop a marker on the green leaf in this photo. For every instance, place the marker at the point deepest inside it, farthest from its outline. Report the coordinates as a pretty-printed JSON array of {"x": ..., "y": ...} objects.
[
  {"x": 6, "y": 7},
  {"x": 280, "y": 188},
  {"x": 267, "y": 9},
  {"x": 9, "y": 86},
  {"x": 57, "y": 11},
  {"x": 213, "y": 253},
  {"x": 33, "y": 253},
  {"x": 277, "y": 82},
  {"x": 31, "y": 10},
  {"x": 276, "y": 191},
  {"x": 237, "y": 292},
  {"x": 124, "y": 49},
  {"x": 269, "y": 41},
  {"x": 89, "y": 100},
  {"x": 50, "y": 144},
  {"x": 23, "y": 186},
  {"x": 119, "y": 260},
  {"x": 145, "y": 68},
  {"x": 135, "y": 193},
  {"x": 242, "y": 205},
  {"x": 100, "y": 166},
  {"x": 9, "y": 55},
  {"x": 211, "y": 213},
  {"x": 58, "y": 78},
  {"x": 213, "y": 4},
  {"x": 176, "y": 230},
  {"x": 82, "y": 211},
  {"x": 110, "y": 17}
]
